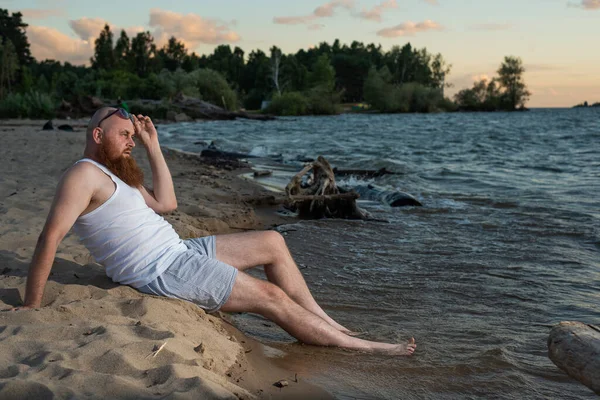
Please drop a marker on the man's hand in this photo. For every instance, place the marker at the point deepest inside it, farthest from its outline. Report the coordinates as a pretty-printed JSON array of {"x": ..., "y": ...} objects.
[{"x": 145, "y": 130}]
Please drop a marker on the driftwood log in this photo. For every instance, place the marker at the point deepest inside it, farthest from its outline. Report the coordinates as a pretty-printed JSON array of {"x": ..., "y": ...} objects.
[
  {"x": 314, "y": 194},
  {"x": 575, "y": 348},
  {"x": 199, "y": 109}
]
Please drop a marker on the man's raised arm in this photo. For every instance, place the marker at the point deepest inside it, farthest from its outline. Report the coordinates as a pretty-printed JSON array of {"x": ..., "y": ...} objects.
[
  {"x": 162, "y": 198},
  {"x": 73, "y": 196}
]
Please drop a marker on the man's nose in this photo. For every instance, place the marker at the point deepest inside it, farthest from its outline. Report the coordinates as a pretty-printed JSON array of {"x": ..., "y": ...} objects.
[{"x": 131, "y": 142}]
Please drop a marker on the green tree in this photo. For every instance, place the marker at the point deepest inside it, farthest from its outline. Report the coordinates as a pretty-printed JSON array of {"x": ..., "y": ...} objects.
[
  {"x": 143, "y": 54},
  {"x": 9, "y": 65},
  {"x": 104, "y": 56},
  {"x": 173, "y": 54},
  {"x": 12, "y": 28},
  {"x": 322, "y": 96},
  {"x": 122, "y": 51},
  {"x": 439, "y": 71},
  {"x": 255, "y": 79},
  {"x": 322, "y": 73},
  {"x": 191, "y": 62},
  {"x": 227, "y": 62},
  {"x": 510, "y": 77}
]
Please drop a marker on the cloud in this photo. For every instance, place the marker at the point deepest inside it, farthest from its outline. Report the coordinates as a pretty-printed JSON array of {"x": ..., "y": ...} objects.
[
  {"x": 409, "y": 28},
  {"x": 432, "y": 2},
  {"x": 31, "y": 13},
  {"x": 374, "y": 14},
  {"x": 328, "y": 9},
  {"x": 87, "y": 28},
  {"x": 315, "y": 27},
  {"x": 323, "y": 11},
  {"x": 192, "y": 29},
  {"x": 48, "y": 43},
  {"x": 304, "y": 19},
  {"x": 587, "y": 4},
  {"x": 492, "y": 27}
]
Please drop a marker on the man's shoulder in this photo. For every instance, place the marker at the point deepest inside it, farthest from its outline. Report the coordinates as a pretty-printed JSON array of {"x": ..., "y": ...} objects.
[{"x": 83, "y": 172}]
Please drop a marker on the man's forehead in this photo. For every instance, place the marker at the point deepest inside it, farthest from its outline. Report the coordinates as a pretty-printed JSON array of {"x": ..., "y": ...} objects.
[{"x": 119, "y": 123}]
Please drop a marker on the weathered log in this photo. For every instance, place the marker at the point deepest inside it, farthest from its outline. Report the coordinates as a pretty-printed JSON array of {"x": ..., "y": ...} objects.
[
  {"x": 575, "y": 348},
  {"x": 390, "y": 197},
  {"x": 200, "y": 109},
  {"x": 318, "y": 196}
]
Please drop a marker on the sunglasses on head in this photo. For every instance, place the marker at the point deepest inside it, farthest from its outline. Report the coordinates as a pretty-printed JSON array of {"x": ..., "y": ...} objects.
[{"x": 121, "y": 112}]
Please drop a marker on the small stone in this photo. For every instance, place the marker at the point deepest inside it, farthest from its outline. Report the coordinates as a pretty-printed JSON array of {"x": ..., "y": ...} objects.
[
  {"x": 199, "y": 349},
  {"x": 282, "y": 383},
  {"x": 66, "y": 127}
]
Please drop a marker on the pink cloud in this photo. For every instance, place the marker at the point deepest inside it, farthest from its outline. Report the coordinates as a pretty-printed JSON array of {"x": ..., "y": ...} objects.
[
  {"x": 590, "y": 4},
  {"x": 192, "y": 29},
  {"x": 323, "y": 11},
  {"x": 87, "y": 28},
  {"x": 328, "y": 9},
  {"x": 409, "y": 28},
  {"x": 375, "y": 13},
  {"x": 48, "y": 43}
]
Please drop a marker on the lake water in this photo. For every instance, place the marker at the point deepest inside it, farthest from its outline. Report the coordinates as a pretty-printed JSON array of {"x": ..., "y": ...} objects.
[{"x": 506, "y": 245}]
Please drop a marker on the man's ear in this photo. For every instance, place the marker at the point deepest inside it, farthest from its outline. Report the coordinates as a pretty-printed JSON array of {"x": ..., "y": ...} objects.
[{"x": 98, "y": 135}]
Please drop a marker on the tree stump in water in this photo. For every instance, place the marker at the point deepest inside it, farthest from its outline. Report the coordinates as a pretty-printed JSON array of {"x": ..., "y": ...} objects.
[
  {"x": 575, "y": 348},
  {"x": 318, "y": 196}
]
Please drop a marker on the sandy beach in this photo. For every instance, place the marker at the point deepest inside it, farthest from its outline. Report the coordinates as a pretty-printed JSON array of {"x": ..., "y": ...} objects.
[{"x": 96, "y": 339}]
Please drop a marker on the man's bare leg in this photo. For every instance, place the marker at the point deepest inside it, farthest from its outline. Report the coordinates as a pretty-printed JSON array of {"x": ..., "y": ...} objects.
[
  {"x": 268, "y": 248},
  {"x": 257, "y": 296}
]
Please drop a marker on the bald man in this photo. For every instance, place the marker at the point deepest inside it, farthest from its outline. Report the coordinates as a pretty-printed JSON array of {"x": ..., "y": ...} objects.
[{"x": 103, "y": 199}]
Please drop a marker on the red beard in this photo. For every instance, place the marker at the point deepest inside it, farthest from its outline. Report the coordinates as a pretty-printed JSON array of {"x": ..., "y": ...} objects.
[{"x": 123, "y": 167}]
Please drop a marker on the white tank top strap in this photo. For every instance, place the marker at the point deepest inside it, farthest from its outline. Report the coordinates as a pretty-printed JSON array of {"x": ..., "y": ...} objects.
[{"x": 102, "y": 167}]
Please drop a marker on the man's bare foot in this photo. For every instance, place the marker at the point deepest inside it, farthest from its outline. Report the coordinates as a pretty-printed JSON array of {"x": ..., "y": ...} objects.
[{"x": 403, "y": 349}]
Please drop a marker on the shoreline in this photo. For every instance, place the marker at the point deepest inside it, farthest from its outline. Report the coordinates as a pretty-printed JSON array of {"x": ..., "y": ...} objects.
[{"x": 93, "y": 337}]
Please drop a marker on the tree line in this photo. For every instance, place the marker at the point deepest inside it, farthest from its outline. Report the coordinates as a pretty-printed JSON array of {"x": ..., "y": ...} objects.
[{"x": 311, "y": 81}]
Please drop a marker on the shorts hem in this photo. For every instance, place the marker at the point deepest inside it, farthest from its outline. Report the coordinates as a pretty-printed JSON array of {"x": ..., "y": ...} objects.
[{"x": 228, "y": 295}]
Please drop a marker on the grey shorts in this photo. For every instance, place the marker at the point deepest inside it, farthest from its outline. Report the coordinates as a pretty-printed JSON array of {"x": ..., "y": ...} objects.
[{"x": 197, "y": 276}]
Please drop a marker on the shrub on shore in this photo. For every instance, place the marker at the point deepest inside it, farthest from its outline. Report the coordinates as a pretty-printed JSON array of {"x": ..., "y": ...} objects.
[
  {"x": 213, "y": 88},
  {"x": 287, "y": 104},
  {"x": 27, "y": 105},
  {"x": 385, "y": 96}
]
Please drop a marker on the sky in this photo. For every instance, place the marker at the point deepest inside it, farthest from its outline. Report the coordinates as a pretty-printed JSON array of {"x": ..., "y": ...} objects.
[{"x": 556, "y": 39}]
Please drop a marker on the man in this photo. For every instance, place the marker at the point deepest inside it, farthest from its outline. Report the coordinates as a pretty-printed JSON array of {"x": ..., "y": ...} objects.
[{"x": 103, "y": 199}]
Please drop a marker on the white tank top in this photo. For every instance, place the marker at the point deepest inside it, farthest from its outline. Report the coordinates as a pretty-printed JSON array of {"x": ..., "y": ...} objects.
[{"x": 127, "y": 237}]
